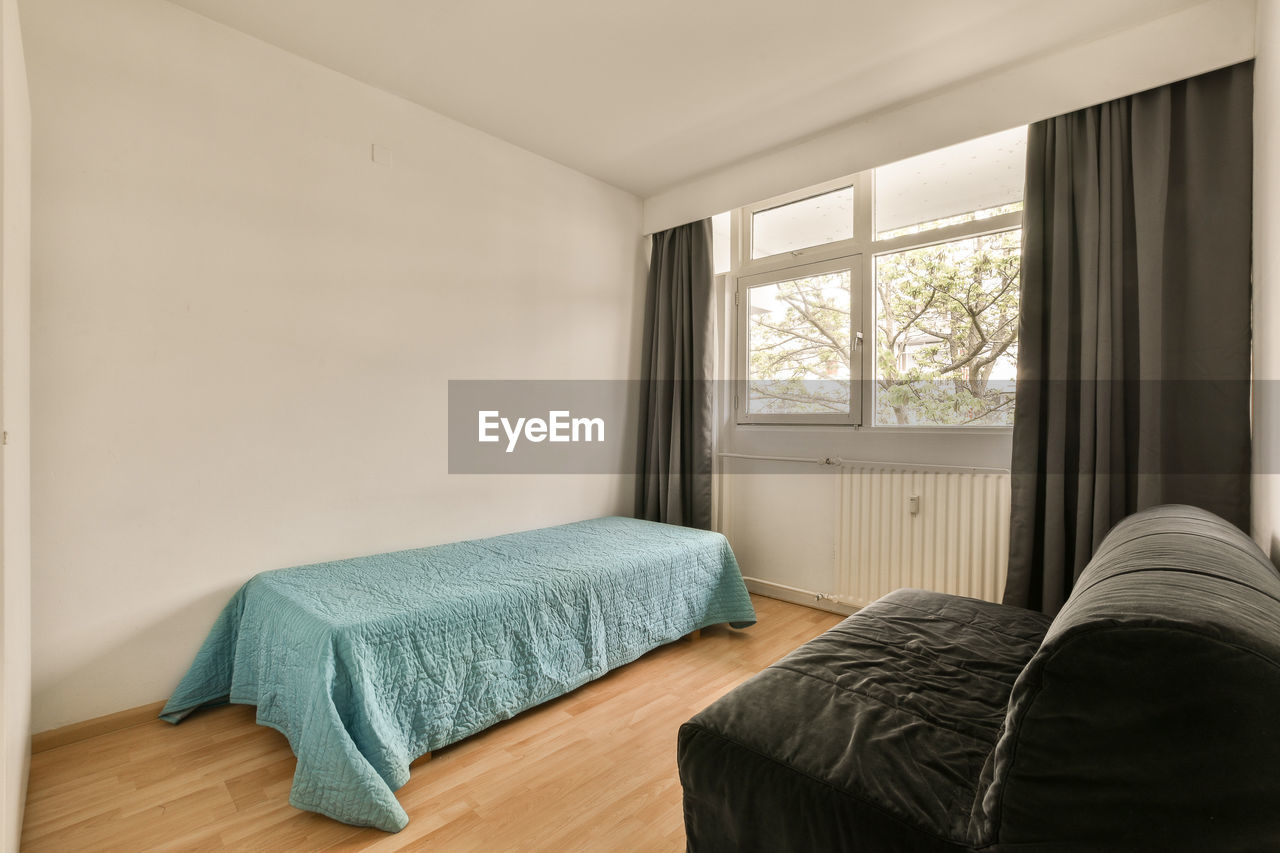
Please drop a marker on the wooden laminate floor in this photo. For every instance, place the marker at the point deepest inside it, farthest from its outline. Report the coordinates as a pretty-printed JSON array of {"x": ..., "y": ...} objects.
[{"x": 594, "y": 770}]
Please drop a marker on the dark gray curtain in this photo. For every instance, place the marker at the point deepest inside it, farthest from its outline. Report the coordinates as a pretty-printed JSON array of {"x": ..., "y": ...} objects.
[
  {"x": 1134, "y": 341},
  {"x": 674, "y": 473}
]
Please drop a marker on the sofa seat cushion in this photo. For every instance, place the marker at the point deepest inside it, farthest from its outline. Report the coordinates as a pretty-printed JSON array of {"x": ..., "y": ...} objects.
[{"x": 873, "y": 734}]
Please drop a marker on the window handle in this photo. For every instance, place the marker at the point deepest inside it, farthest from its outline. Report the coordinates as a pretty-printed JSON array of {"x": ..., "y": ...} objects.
[{"x": 857, "y": 340}]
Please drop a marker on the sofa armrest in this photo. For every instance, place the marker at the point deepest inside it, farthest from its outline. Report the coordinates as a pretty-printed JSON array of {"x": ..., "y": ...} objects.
[
  {"x": 1148, "y": 718},
  {"x": 1140, "y": 738}
]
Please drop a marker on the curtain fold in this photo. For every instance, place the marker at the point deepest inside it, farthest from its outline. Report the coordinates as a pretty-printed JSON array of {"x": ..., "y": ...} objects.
[
  {"x": 1134, "y": 336},
  {"x": 673, "y": 482}
]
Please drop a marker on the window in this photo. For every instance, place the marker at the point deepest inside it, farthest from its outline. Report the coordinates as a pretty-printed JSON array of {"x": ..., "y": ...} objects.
[
  {"x": 813, "y": 221},
  {"x": 947, "y": 332},
  {"x": 799, "y": 344},
  {"x": 963, "y": 183},
  {"x": 925, "y": 253}
]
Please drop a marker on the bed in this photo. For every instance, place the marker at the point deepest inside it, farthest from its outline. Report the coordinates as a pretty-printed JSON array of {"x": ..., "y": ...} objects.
[{"x": 367, "y": 664}]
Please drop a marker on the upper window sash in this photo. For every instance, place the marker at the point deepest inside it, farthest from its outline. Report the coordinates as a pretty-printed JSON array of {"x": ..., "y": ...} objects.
[
  {"x": 862, "y": 240},
  {"x": 745, "y": 263}
]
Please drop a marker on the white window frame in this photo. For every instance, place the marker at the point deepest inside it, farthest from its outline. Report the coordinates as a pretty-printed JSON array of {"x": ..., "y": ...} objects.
[
  {"x": 742, "y": 300},
  {"x": 746, "y": 271}
]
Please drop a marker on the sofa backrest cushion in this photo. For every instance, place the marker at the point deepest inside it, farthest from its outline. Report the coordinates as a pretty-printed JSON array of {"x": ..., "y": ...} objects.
[{"x": 1150, "y": 715}]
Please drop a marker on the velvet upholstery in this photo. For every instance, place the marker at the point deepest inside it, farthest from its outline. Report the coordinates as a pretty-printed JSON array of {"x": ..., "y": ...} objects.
[{"x": 1144, "y": 717}]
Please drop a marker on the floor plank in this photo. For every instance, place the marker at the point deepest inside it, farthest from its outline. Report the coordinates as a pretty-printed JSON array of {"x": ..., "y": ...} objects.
[{"x": 594, "y": 770}]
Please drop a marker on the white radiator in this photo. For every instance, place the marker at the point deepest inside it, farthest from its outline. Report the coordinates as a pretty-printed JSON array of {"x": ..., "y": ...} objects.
[{"x": 943, "y": 529}]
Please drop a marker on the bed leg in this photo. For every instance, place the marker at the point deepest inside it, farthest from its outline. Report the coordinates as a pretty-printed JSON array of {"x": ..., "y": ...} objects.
[
  {"x": 693, "y": 635},
  {"x": 421, "y": 759}
]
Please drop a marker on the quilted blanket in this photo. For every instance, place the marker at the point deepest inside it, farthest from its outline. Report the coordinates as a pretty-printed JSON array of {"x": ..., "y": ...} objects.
[{"x": 366, "y": 664}]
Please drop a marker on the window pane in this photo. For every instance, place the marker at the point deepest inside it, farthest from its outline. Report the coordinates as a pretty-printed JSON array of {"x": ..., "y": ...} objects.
[
  {"x": 809, "y": 222},
  {"x": 798, "y": 345},
  {"x": 972, "y": 180},
  {"x": 720, "y": 242},
  {"x": 947, "y": 332}
]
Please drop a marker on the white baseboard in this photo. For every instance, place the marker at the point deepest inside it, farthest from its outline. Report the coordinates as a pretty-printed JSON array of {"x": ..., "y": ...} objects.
[{"x": 791, "y": 594}]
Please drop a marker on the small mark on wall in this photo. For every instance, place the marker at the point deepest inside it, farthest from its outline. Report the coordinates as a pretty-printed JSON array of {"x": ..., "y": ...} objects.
[{"x": 381, "y": 155}]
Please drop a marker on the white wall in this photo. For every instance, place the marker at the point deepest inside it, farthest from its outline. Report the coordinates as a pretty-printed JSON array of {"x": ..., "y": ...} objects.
[
  {"x": 1206, "y": 36},
  {"x": 1266, "y": 281},
  {"x": 243, "y": 328},
  {"x": 15, "y": 410}
]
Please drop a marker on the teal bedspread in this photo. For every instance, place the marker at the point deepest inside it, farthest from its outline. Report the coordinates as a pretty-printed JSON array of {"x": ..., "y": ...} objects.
[{"x": 366, "y": 664}]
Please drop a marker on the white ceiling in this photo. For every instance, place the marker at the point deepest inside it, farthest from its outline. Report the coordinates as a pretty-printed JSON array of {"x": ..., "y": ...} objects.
[{"x": 645, "y": 95}]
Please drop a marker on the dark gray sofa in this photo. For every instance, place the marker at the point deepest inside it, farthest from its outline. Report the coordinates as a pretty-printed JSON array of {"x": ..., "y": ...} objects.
[{"x": 1145, "y": 716}]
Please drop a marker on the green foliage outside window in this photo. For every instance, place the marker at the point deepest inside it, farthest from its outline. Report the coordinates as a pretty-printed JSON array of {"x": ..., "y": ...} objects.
[{"x": 947, "y": 332}]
